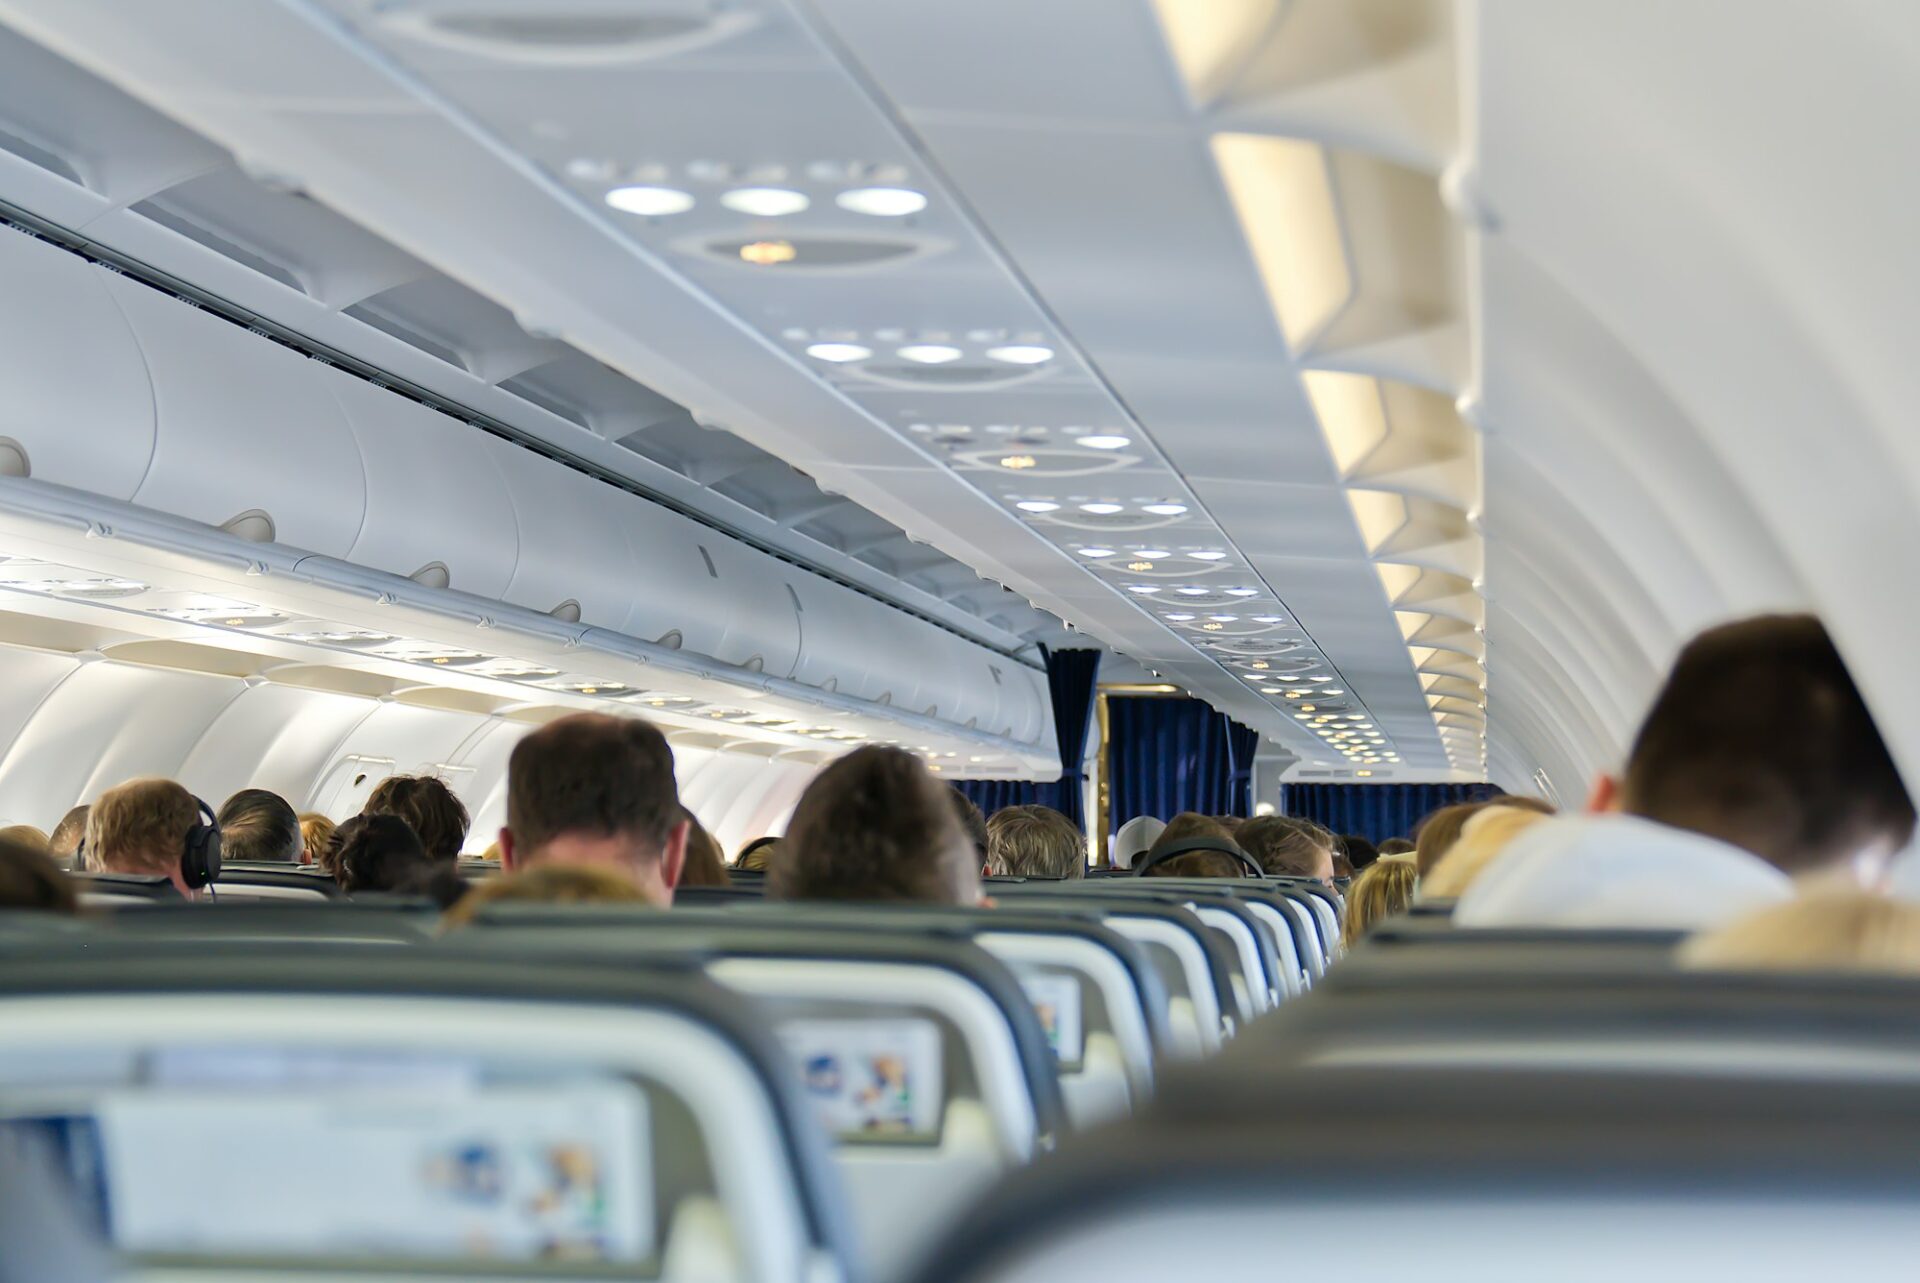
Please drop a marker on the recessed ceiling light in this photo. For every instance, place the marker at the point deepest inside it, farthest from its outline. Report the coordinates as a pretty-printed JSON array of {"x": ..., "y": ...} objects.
[
  {"x": 1096, "y": 552},
  {"x": 1152, "y": 554},
  {"x": 839, "y": 352},
  {"x": 1036, "y": 505},
  {"x": 768, "y": 253},
  {"x": 1269, "y": 690},
  {"x": 1143, "y": 589},
  {"x": 1269, "y": 619},
  {"x": 1139, "y": 565},
  {"x": 882, "y": 202},
  {"x": 1166, "y": 509},
  {"x": 1306, "y": 708},
  {"x": 1212, "y": 628},
  {"x": 1100, "y": 509},
  {"x": 1208, "y": 556},
  {"x": 1180, "y": 617},
  {"x": 1104, "y": 441},
  {"x": 1243, "y": 592},
  {"x": 1331, "y": 691},
  {"x": 1191, "y": 592},
  {"x": 650, "y": 202},
  {"x": 1224, "y": 619},
  {"x": 1021, "y": 354},
  {"x": 765, "y": 202},
  {"x": 1259, "y": 663},
  {"x": 929, "y": 353},
  {"x": 1019, "y": 461}
]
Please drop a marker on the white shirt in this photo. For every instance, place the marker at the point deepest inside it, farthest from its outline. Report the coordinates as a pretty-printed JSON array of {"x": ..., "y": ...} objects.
[{"x": 1619, "y": 871}]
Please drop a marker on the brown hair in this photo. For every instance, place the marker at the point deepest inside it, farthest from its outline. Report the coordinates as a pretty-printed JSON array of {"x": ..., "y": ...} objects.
[
  {"x": 967, "y": 811},
  {"x": 1760, "y": 738},
  {"x": 69, "y": 833},
  {"x": 1198, "y": 864},
  {"x": 140, "y": 827},
  {"x": 591, "y": 774},
  {"x": 1035, "y": 842},
  {"x": 1284, "y": 847},
  {"x": 1185, "y": 827},
  {"x": 377, "y": 852},
  {"x": 29, "y": 878},
  {"x": 256, "y": 824},
  {"x": 875, "y": 825},
  {"x": 706, "y": 864},
  {"x": 550, "y": 883},
  {"x": 436, "y": 816},
  {"x": 26, "y": 835},
  {"x": 1383, "y": 889},
  {"x": 1395, "y": 846}
]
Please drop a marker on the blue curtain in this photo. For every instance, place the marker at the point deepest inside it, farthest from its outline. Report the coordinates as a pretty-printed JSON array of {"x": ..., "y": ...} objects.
[
  {"x": 1376, "y": 811},
  {"x": 1073, "y": 678},
  {"x": 1172, "y": 755}
]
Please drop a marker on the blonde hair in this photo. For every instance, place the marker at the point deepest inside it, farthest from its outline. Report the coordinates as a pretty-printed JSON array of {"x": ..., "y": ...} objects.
[
  {"x": 1824, "y": 931},
  {"x": 27, "y": 835},
  {"x": 316, "y": 839},
  {"x": 1485, "y": 836},
  {"x": 1383, "y": 889},
  {"x": 140, "y": 827},
  {"x": 547, "y": 883}
]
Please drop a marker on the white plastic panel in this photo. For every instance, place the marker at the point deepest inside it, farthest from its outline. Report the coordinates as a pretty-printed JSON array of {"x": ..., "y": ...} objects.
[
  {"x": 431, "y": 496},
  {"x": 393, "y": 739},
  {"x": 837, "y": 631},
  {"x": 271, "y": 737},
  {"x": 244, "y": 424},
  {"x": 741, "y": 604},
  {"x": 573, "y": 542},
  {"x": 73, "y": 388}
]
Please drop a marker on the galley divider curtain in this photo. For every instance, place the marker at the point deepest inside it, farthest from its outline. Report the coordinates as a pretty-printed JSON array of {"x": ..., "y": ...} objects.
[
  {"x": 1167, "y": 755},
  {"x": 1376, "y": 811},
  {"x": 1072, "y": 683}
]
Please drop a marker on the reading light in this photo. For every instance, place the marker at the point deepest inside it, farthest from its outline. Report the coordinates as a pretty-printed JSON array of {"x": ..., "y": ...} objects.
[
  {"x": 1100, "y": 509},
  {"x": 765, "y": 202},
  {"x": 1243, "y": 592},
  {"x": 1212, "y": 628},
  {"x": 1208, "y": 556},
  {"x": 882, "y": 202},
  {"x": 1191, "y": 592},
  {"x": 1180, "y": 617},
  {"x": 768, "y": 253},
  {"x": 1139, "y": 565},
  {"x": 1096, "y": 552},
  {"x": 838, "y": 353},
  {"x": 1036, "y": 505},
  {"x": 1021, "y": 354},
  {"x": 929, "y": 353},
  {"x": 1018, "y": 462},
  {"x": 1152, "y": 554},
  {"x": 650, "y": 202},
  {"x": 1167, "y": 510},
  {"x": 1104, "y": 441},
  {"x": 1143, "y": 589}
]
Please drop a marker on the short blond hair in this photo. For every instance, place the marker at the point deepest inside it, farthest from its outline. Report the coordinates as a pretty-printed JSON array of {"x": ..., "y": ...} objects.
[
  {"x": 140, "y": 827},
  {"x": 1034, "y": 842},
  {"x": 1485, "y": 836},
  {"x": 548, "y": 883},
  {"x": 1383, "y": 889},
  {"x": 1824, "y": 931}
]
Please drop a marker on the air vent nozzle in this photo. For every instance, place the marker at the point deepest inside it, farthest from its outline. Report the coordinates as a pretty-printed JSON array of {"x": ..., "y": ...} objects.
[
  {"x": 256, "y": 526},
  {"x": 433, "y": 575}
]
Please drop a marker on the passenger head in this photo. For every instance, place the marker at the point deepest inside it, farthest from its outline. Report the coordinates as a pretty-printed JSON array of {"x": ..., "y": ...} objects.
[
  {"x": 1034, "y": 842},
  {"x": 756, "y": 855},
  {"x": 1187, "y": 827},
  {"x": 316, "y": 840},
  {"x": 875, "y": 825},
  {"x": 593, "y": 789},
  {"x": 1382, "y": 890},
  {"x": 436, "y": 816},
  {"x": 1287, "y": 848},
  {"x": 140, "y": 828},
  {"x": 1827, "y": 930},
  {"x": 27, "y": 835},
  {"x": 1395, "y": 846},
  {"x": 972, "y": 822},
  {"x": 549, "y": 883},
  {"x": 375, "y": 851},
  {"x": 1135, "y": 838},
  {"x": 706, "y": 863},
  {"x": 29, "y": 878},
  {"x": 1439, "y": 831},
  {"x": 68, "y": 835},
  {"x": 1486, "y": 834},
  {"x": 258, "y": 825},
  {"x": 1760, "y": 739},
  {"x": 1359, "y": 851}
]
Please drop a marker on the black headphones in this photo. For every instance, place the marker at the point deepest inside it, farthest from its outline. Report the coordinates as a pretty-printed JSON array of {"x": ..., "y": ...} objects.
[
  {"x": 200, "y": 857},
  {"x": 1191, "y": 845}
]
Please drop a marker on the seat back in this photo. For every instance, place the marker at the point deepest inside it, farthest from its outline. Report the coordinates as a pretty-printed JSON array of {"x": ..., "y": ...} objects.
[
  {"x": 306, "y": 1111},
  {"x": 274, "y": 882}
]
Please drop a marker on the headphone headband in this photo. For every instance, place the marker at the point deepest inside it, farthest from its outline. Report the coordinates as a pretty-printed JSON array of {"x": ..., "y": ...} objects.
[
  {"x": 1216, "y": 845},
  {"x": 200, "y": 854}
]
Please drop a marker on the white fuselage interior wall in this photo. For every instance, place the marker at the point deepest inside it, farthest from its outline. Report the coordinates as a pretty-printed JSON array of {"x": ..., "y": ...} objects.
[{"x": 76, "y": 727}]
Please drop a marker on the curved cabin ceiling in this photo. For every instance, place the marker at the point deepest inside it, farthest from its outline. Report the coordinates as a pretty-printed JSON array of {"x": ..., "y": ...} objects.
[{"x": 1407, "y": 378}]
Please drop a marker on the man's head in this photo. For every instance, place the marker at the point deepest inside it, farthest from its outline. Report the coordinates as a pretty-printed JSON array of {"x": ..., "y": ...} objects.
[
  {"x": 1759, "y": 738},
  {"x": 141, "y": 828},
  {"x": 972, "y": 822},
  {"x": 875, "y": 825},
  {"x": 258, "y": 825},
  {"x": 378, "y": 852},
  {"x": 436, "y": 816},
  {"x": 1034, "y": 842},
  {"x": 1287, "y": 848},
  {"x": 67, "y": 836},
  {"x": 1189, "y": 827},
  {"x": 593, "y": 789},
  {"x": 29, "y": 879}
]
